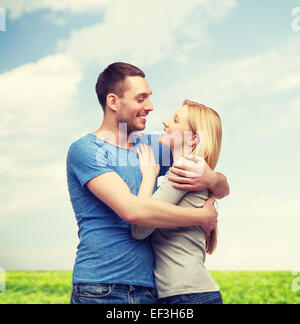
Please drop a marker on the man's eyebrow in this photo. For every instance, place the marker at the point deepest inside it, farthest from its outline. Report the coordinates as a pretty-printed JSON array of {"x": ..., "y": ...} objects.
[{"x": 144, "y": 94}]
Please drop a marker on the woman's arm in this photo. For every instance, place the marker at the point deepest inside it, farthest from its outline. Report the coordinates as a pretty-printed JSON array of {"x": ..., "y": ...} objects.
[{"x": 149, "y": 171}]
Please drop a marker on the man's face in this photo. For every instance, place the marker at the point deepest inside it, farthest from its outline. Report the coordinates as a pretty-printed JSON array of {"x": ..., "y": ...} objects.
[{"x": 135, "y": 104}]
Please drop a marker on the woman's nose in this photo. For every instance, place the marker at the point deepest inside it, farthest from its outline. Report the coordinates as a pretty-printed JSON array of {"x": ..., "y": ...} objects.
[{"x": 165, "y": 123}]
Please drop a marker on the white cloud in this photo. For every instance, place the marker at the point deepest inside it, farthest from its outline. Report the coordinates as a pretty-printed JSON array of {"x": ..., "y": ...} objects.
[
  {"x": 258, "y": 232},
  {"x": 250, "y": 86},
  {"x": 16, "y": 168},
  {"x": 147, "y": 33},
  {"x": 291, "y": 116},
  {"x": 21, "y": 7},
  {"x": 38, "y": 257},
  {"x": 39, "y": 194},
  {"x": 35, "y": 96},
  {"x": 35, "y": 99},
  {"x": 268, "y": 73}
]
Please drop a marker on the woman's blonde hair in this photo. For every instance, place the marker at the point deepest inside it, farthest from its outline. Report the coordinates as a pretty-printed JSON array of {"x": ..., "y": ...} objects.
[{"x": 207, "y": 126}]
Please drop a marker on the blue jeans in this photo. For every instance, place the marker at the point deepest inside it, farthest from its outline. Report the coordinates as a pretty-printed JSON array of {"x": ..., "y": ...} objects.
[
  {"x": 203, "y": 298},
  {"x": 112, "y": 294}
]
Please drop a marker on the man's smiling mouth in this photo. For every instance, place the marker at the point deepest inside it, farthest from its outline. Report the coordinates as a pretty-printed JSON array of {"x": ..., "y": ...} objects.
[{"x": 143, "y": 118}]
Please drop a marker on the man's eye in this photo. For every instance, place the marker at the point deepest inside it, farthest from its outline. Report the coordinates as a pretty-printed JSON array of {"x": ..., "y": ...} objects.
[{"x": 140, "y": 100}]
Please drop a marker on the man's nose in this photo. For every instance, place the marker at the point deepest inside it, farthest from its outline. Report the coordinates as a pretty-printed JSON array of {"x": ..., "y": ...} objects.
[
  {"x": 149, "y": 106},
  {"x": 165, "y": 123}
]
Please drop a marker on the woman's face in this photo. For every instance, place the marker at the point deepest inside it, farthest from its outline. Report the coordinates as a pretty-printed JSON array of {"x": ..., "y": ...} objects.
[{"x": 177, "y": 132}]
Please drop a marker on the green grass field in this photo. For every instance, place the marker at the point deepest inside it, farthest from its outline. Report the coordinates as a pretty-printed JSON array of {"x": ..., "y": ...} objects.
[{"x": 245, "y": 287}]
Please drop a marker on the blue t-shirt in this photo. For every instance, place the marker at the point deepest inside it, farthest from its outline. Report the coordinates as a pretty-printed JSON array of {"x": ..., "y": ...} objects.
[{"x": 107, "y": 253}]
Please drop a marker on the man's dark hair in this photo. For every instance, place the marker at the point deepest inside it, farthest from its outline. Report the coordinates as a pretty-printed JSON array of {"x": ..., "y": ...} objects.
[{"x": 112, "y": 80}]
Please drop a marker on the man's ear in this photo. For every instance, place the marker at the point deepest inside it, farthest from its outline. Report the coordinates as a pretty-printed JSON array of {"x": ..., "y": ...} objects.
[{"x": 113, "y": 102}]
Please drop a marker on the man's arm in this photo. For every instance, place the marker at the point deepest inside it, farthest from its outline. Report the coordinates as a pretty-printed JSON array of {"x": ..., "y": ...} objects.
[
  {"x": 199, "y": 177},
  {"x": 148, "y": 212}
]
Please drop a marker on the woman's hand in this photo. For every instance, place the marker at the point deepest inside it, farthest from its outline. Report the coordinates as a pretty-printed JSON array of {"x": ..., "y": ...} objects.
[{"x": 148, "y": 165}]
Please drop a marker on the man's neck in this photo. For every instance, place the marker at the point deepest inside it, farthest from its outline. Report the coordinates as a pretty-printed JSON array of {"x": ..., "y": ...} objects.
[{"x": 114, "y": 134}]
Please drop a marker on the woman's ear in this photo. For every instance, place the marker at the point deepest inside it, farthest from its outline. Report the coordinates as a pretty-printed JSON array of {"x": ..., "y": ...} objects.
[
  {"x": 191, "y": 139},
  {"x": 195, "y": 139},
  {"x": 198, "y": 141},
  {"x": 113, "y": 102}
]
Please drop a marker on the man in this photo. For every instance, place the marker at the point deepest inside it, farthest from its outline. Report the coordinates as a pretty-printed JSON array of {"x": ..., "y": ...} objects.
[{"x": 104, "y": 178}]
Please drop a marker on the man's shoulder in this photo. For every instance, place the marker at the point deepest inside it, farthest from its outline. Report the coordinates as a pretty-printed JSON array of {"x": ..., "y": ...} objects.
[
  {"x": 79, "y": 144},
  {"x": 85, "y": 148},
  {"x": 88, "y": 151}
]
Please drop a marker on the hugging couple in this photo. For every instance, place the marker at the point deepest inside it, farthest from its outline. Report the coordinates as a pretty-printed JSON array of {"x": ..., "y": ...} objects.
[{"x": 140, "y": 242}]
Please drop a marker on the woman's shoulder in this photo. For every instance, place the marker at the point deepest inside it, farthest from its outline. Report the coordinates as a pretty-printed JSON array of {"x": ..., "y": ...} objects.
[{"x": 186, "y": 161}]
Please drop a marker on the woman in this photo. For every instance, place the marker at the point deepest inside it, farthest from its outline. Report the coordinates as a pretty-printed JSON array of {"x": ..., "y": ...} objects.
[{"x": 180, "y": 274}]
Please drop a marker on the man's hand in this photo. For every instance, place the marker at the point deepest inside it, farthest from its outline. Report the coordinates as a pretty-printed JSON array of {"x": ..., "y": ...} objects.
[
  {"x": 211, "y": 220},
  {"x": 194, "y": 177},
  {"x": 198, "y": 177}
]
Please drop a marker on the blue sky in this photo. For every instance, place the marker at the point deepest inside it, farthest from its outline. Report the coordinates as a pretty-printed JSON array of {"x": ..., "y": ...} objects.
[{"x": 239, "y": 57}]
